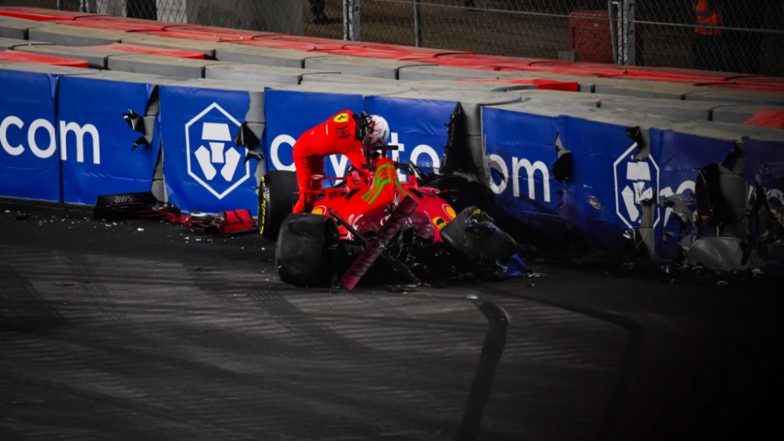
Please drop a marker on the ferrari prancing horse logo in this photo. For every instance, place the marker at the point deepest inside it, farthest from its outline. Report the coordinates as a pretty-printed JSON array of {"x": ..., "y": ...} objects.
[{"x": 341, "y": 117}]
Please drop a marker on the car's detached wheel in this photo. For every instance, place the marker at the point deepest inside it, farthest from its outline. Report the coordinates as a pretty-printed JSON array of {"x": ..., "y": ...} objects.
[
  {"x": 306, "y": 250},
  {"x": 277, "y": 194},
  {"x": 482, "y": 247}
]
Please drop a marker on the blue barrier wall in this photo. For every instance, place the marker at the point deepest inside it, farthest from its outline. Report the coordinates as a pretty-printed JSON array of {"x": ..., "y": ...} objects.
[
  {"x": 62, "y": 140},
  {"x": 288, "y": 114},
  {"x": 680, "y": 157},
  {"x": 422, "y": 137},
  {"x": 765, "y": 163},
  {"x": 97, "y": 141},
  {"x": 29, "y": 146},
  {"x": 420, "y": 134},
  {"x": 204, "y": 169},
  {"x": 609, "y": 183},
  {"x": 521, "y": 150}
]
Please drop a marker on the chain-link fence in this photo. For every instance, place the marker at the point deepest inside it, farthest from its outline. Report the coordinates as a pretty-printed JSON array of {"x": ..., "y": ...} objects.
[
  {"x": 741, "y": 37},
  {"x": 748, "y": 36}
]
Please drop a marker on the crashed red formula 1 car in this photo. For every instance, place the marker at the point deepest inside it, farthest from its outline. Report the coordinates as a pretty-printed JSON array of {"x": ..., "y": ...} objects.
[{"x": 396, "y": 226}]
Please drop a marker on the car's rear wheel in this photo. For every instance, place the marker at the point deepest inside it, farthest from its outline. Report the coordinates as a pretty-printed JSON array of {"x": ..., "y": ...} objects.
[
  {"x": 277, "y": 194},
  {"x": 482, "y": 248},
  {"x": 306, "y": 250}
]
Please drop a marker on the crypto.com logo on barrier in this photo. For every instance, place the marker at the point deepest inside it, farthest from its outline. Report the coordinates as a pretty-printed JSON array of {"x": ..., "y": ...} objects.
[
  {"x": 213, "y": 159},
  {"x": 636, "y": 181}
]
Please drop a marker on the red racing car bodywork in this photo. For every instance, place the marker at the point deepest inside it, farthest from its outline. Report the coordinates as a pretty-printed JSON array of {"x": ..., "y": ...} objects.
[
  {"x": 393, "y": 221},
  {"x": 365, "y": 207}
]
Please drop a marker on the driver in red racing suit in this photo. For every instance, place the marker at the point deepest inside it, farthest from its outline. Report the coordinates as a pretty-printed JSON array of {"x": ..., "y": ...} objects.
[{"x": 342, "y": 133}]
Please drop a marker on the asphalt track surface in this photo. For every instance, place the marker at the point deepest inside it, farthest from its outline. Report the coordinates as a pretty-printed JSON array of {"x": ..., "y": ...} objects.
[{"x": 142, "y": 330}]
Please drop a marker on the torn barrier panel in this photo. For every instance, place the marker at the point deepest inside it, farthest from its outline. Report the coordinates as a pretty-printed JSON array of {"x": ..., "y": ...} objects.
[
  {"x": 204, "y": 169},
  {"x": 765, "y": 166},
  {"x": 290, "y": 113},
  {"x": 30, "y": 151},
  {"x": 680, "y": 157},
  {"x": 757, "y": 155},
  {"x": 99, "y": 157},
  {"x": 521, "y": 149},
  {"x": 418, "y": 127},
  {"x": 765, "y": 171},
  {"x": 614, "y": 187}
]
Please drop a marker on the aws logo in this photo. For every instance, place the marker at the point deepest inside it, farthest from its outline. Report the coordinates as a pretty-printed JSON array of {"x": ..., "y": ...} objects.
[{"x": 212, "y": 158}]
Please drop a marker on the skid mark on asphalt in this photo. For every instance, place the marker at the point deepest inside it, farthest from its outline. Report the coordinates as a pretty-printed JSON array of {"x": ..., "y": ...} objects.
[
  {"x": 87, "y": 273},
  {"x": 336, "y": 334},
  {"x": 21, "y": 306},
  {"x": 199, "y": 394},
  {"x": 618, "y": 352},
  {"x": 106, "y": 411},
  {"x": 338, "y": 323},
  {"x": 306, "y": 329}
]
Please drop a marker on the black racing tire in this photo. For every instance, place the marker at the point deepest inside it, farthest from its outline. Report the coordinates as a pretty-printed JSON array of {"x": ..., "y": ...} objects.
[
  {"x": 277, "y": 195},
  {"x": 480, "y": 246},
  {"x": 306, "y": 250}
]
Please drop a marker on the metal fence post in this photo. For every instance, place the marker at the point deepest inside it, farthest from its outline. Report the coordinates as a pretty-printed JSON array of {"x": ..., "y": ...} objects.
[
  {"x": 90, "y": 6},
  {"x": 417, "y": 27},
  {"x": 611, "y": 5},
  {"x": 351, "y": 20},
  {"x": 628, "y": 38}
]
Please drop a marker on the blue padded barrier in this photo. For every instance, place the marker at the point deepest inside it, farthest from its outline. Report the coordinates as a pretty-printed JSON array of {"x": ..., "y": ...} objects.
[
  {"x": 521, "y": 150},
  {"x": 204, "y": 169},
  {"x": 98, "y": 142},
  {"x": 290, "y": 113},
  {"x": 418, "y": 127},
  {"x": 680, "y": 156},
  {"x": 610, "y": 182},
  {"x": 29, "y": 148}
]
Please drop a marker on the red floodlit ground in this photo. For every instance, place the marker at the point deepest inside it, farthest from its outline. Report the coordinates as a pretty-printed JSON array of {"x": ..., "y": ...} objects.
[
  {"x": 40, "y": 14},
  {"x": 391, "y": 53},
  {"x": 413, "y": 51},
  {"x": 767, "y": 118},
  {"x": 291, "y": 45},
  {"x": 539, "y": 83},
  {"x": 481, "y": 61},
  {"x": 746, "y": 85},
  {"x": 114, "y": 25},
  {"x": 183, "y": 35},
  {"x": 147, "y": 50},
  {"x": 222, "y": 33},
  {"x": 115, "y": 19},
  {"x": 26, "y": 57}
]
